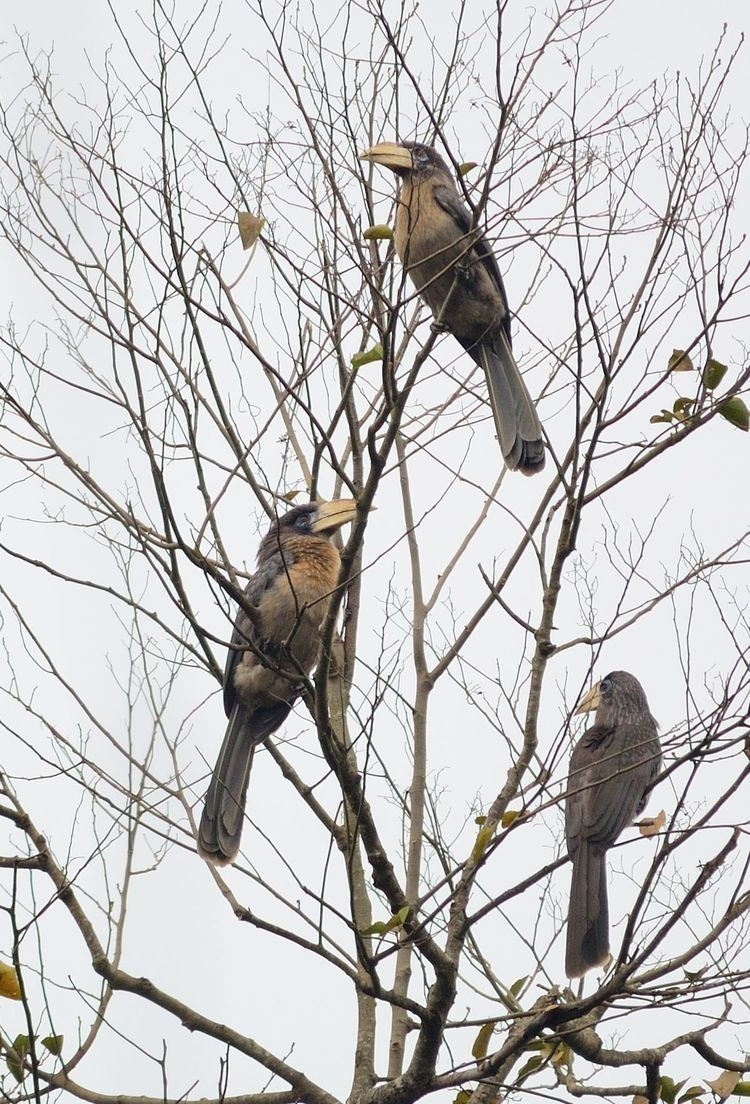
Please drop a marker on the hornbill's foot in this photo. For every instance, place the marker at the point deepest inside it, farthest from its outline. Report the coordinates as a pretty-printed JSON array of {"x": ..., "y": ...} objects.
[{"x": 439, "y": 327}]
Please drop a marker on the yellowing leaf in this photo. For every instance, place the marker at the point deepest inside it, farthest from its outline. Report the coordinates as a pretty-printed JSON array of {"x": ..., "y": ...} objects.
[
  {"x": 381, "y": 232},
  {"x": 249, "y": 227},
  {"x": 679, "y": 361},
  {"x": 463, "y": 1096},
  {"x": 742, "y": 1088},
  {"x": 653, "y": 825},
  {"x": 480, "y": 845},
  {"x": 561, "y": 1055},
  {"x": 640, "y": 1100},
  {"x": 9, "y": 986},
  {"x": 466, "y": 167},
  {"x": 665, "y": 416},
  {"x": 735, "y": 412},
  {"x": 368, "y": 356},
  {"x": 724, "y": 1085},
  {"x": 713, "y": 374},
  {"x": 289, "y": 496},
  {"x": 482, "y": 1041},
  {"x": 509, "y": 816}
]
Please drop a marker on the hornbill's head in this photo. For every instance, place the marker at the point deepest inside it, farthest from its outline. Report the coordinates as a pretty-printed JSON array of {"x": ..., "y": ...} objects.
[
  {"x": 406, "y": 159},
  {"x": 318, "y": 519},
  {"x": 617, "y": 697}
]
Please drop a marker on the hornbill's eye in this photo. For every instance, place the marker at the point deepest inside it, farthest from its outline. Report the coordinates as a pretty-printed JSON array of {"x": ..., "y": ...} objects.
[
  {"x": 302, "y": 522},
  {"x": 605, "y": 685}
]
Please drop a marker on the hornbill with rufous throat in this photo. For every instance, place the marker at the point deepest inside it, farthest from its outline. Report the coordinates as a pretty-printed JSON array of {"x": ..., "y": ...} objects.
[
  {"x": 289, "y": 593},
  {"x": 454, "y": 270}
]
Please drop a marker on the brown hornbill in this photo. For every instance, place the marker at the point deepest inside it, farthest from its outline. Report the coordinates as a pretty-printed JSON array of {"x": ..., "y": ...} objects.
[
  {"x": 454, "y": 270},
  {"x": 612, "y": 769},
  {"x": 298, "y": 569}
]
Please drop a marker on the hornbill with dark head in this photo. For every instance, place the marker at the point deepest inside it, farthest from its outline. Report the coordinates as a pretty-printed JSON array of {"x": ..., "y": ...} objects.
[
  {"x": 612, "y": 769},
  {"x": 298, "y": 569},
  {"x": 454, "y": 270}
]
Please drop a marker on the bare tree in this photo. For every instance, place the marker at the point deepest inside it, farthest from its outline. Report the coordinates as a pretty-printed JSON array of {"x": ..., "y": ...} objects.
[{"x": 392, "y": 929}]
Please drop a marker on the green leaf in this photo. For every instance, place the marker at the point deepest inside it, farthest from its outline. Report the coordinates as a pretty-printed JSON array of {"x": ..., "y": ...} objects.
[
  {"x": 368, "y": 356},
  {"x": 54, "y": 1044},
  {"x": 481, "y": 843},
  {"x": 665, "y": 416},
  {"x": 15, "y": 1068},
  {"x": 289, "y": 496},
  {"x": 735, "y": 412},
  {"x": 15, "y": 1056},
  {"x": 463, "y": 1096},
  {"x": 380, "y": 927},
  {"x": 742, "y": 1088},
  {"x": 466, "y": 167},
  {"x": 400, "y": 917},
  {"x": 374, "y": 929},
  {"x": 482, "y": 1041},
  {"x": 509, "y": 817},
  {"x": 21, "y": 1045},
  {"x": 679, "y": 362},
  {"x": 530, "y": 1066},
  {"x": 381, "y": 232},
  {"x": 667, "y": 1089},
  {"x": 518, "y": 985},
  {"x": 713, "y": 374},
  {"x": 480, "y": 820},
  {"x": 681, "y": 406},
  {"x": 250, "y": 227}
]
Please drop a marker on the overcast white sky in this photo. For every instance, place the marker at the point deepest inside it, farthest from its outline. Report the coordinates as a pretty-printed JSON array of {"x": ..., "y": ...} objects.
[{"x": 183, "y": 934}]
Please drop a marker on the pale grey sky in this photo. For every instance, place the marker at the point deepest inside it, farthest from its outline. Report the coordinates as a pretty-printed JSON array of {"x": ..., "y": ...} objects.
[{"x": 183, "y": 934}]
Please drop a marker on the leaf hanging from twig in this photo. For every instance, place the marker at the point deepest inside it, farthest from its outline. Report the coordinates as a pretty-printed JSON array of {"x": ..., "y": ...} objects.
[{"x": 250, "y": 227}]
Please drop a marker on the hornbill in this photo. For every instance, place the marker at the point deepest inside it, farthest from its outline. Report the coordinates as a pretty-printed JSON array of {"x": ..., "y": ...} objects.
[
  {"x": 298, "y": 568},
  {"x": 612, "y": 770},
  {"x": 454, "y": 270}
]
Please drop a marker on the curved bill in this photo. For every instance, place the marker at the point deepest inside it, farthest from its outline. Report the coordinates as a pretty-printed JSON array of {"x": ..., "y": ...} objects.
[
  {"x": 391, "y": 154},
  {"x": 590, "y": 702},
  {"x": 332, "y": 515}
]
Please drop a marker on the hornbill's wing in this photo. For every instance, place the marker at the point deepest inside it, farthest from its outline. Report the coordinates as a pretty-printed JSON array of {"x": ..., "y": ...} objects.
[
  {"x": 244, "y": 631},
  {"x": 224, "y": 810},
  {"x": 611, "y": 785},
  {"x": 581, "y": 783},
  {"x": 449, "y": 200}
]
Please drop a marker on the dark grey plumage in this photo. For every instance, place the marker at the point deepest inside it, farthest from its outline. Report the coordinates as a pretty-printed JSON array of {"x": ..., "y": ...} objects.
[
  {"x": 612, "y": 769},
  {"x": 457, "y": 275},
  {"x": 298, "y": 569}
]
